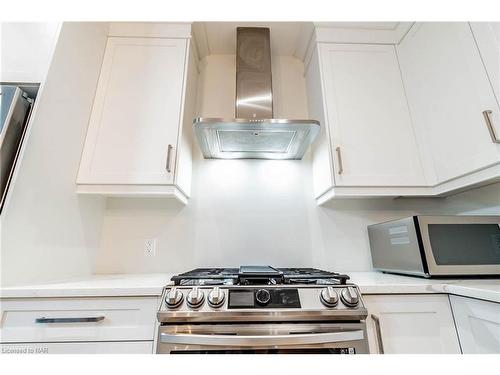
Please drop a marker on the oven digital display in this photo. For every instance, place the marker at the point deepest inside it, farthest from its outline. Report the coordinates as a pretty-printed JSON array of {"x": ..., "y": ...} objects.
[
  {"x": 241, "y": 299},
  {"x": 264, "y": 298}
]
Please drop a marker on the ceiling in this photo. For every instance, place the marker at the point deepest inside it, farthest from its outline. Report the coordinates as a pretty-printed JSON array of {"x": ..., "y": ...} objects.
[
  {"x": 361, "y": 25},
  {"x": 292, "y": 38},
  {"x": 219, "y": 38}
]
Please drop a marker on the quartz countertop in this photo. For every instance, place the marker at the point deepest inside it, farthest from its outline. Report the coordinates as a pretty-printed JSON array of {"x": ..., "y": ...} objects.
[
  {"x": 153, "y": 284},
  {"x": 94, "y": 286},
  {"x": 382, "y": 283}
]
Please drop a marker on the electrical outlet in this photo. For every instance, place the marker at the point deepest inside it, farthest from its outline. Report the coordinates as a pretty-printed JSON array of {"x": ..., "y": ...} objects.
[{"x": 150, "y": 247}]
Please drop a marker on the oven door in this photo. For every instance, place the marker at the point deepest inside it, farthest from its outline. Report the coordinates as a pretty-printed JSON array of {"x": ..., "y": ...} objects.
[{"x": 329, "y": 338}]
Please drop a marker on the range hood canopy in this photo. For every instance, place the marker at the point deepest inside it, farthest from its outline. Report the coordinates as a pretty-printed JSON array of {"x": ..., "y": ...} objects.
[{"x": 254, "y": 134}]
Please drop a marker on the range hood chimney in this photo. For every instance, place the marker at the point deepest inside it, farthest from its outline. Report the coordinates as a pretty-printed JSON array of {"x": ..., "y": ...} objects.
[{"x": 254, "y": 133}]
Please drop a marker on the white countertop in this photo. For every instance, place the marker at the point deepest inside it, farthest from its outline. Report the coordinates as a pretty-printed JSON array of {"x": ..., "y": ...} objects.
[
  {"x": 382, "y": 283},
  {"x": 152, "y": 285},
  {"x": 94, "y": 286}
]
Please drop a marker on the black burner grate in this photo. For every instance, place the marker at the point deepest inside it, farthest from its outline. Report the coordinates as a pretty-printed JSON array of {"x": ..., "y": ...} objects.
[{"x": 258, "y": 275}]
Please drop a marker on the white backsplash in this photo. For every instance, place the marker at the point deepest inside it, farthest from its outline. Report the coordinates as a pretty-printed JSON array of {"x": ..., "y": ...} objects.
[{"x": 258, "y": 212}]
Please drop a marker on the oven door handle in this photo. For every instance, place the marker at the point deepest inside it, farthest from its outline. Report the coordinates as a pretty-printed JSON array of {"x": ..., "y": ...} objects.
[{"x": 261, "y": 340}]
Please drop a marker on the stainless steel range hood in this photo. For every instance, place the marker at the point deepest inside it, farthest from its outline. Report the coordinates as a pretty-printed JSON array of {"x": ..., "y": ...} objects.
[{"x": 254, "y": 134}]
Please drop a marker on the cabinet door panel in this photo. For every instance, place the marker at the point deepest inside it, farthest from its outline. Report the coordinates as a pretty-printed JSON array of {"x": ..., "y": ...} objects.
[
  {"x": 411, "y": 324},
  {"x": 136, "y": 113},
  {"x": 478, "y": 324},
  {"x": 369, "y": 117},
  {"x": 448, "y": 90},
  {"x": 487, "y": 35}
]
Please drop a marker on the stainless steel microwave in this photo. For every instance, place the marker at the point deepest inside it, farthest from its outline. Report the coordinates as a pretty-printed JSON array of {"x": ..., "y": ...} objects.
[{"x": 431, "y": 246}]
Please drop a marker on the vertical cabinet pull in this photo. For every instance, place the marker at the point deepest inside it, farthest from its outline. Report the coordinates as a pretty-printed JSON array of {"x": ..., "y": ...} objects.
[
  {"x": 378, "y": 333},
  {"x": 169, "y": 157},
  {"x": 489, "y": 124},
  {"x": 339, "y": 158}
]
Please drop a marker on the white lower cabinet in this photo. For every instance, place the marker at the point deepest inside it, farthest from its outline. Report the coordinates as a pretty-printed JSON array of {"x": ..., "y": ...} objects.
[
  {"x": 411, "y": 324},
  {"x": 79, "y": 325},
  {"x": 478, "y": 324},
  {"x": 117, "y": 347}
]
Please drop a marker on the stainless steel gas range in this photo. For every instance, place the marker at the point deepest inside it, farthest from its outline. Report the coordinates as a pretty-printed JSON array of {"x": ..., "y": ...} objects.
[{"x": 261, "y": 309}]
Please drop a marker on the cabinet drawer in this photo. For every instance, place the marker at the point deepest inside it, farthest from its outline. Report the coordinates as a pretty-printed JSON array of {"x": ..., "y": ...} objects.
[
  {"x": 78, "y": 319},
  {"x": 123, "y": 347}
]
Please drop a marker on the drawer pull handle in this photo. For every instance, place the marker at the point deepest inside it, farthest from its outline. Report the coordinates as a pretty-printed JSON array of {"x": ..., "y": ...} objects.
[
  {"x": 378, "y": 332},
  {"x": 489, "y": 124},
  {"x": 90, "y": 319}
]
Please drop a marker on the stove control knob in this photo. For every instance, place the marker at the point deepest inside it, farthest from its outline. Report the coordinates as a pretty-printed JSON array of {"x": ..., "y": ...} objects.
[
  {"x": 263, "y": 296},
  {"x": 349, "y": 296},
  {"x": 174, "y": 298},
  {"x": 195, "y": 298},
  {"x": 329, "y": 297},
  {"x": 216, "y": 297}
]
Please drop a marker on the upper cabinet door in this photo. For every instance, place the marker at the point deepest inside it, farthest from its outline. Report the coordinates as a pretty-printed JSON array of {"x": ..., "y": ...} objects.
[
  {"x": 448, "y": 90},
  {"x": 370, "y": 126},
  {"x": 133, "y": 130},
  {"x": 487, "y": 35}
]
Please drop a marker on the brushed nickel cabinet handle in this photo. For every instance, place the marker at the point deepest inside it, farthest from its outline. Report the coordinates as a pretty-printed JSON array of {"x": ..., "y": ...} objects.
[
  {"x": 91, "y": 319},
  {"x": 339, "y": 157},
  {"x": 489, "y": 124},
  {"x": 169, "y": 154},
  {"x": 378, "y": 333}
]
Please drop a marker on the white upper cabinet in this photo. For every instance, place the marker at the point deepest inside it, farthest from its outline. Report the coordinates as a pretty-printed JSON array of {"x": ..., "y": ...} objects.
[
  {"x": 487, "y": 35},
  {"x": 411, "y": 324},
  {"x": 136, "y": 142},
  {"x": 136, "y": 113},
  {"x": 368, "y": 116},
  {"x": 367, "y": 143},
  {"x": 478, "y": 325},
  {"x": 448, "y": 92},
  {"x": 322, "y": 167}
]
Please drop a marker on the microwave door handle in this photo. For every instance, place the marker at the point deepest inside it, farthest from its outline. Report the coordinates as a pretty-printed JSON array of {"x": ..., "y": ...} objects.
[{"x": 271, "y": 340}]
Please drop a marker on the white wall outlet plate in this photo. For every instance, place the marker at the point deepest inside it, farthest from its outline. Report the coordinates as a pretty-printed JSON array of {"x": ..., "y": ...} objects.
[{"x": 150, "y": 247}]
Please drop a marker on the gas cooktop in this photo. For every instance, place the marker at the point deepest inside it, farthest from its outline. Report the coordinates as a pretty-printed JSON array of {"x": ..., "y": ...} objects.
[
  {"x": 259, "y": 275},
  {"x": 242, "y": 310}
]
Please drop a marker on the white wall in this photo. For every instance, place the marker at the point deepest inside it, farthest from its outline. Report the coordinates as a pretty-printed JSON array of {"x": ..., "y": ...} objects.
[
  {"x": 27, "y": 49},
  {"x": 47, "y": 231},
  {"x": 256, "y": 211},
  {"x": 259, "y": 212},
  {"x": 241, "y": 212}
]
